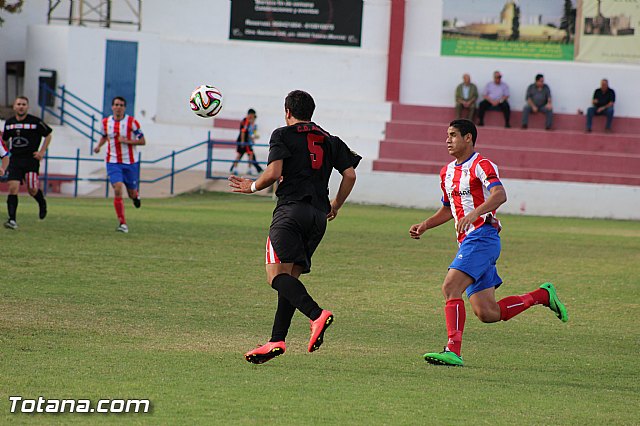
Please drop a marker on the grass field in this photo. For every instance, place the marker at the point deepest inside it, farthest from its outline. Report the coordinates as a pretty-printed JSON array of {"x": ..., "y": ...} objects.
[{"x": 167, "y": 311}]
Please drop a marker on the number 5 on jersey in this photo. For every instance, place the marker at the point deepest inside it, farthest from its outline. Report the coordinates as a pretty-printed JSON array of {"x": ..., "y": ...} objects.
[{"x": 315, "y": 150}]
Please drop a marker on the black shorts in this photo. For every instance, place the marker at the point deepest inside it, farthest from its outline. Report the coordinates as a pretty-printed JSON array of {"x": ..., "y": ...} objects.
[
  {"x": 244, "y": 149},
  {"x": 296, "y": 231},
  {"x": 20, "y": 166}
]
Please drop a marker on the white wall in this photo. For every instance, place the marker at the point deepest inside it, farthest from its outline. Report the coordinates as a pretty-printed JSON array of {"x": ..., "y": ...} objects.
[
  {"x": 78, "y": 54},
  {"x": 174, "y": 58},
  {"x": 13, "y": 39},
  {"x": 429, "y": 79}
]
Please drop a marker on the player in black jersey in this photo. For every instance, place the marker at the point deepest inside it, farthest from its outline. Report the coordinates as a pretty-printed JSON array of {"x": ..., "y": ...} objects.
[
  {"x": 23, "y": 134},
  {"x": 245, "y": 141},
  {"x": 302, "y": 155}
]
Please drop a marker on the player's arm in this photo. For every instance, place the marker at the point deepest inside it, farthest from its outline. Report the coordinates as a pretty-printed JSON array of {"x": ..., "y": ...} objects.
[
  {"x": 101, "y": 142},
  {"x": 346, "y": 185},
  {"x": 39, "y": 155},
  {"x": 271, "y": 174},
  {"x": 443, "y": 215},
  {"x": 497, "y": 197},
  {"x": 138, "y": 141},
  {"x": 138, "y": 137}
]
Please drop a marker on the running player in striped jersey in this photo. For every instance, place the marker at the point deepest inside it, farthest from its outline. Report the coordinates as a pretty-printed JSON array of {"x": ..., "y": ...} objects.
[
  {"x": 123, "y": 135},
  {"x": 472, "y": 192}
]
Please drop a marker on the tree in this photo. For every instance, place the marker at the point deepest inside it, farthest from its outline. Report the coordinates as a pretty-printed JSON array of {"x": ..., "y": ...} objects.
[
  {"x": 11, "y": 7},
  {"x": 515, "y": 23},
  {"x": 568, "y": 21}
]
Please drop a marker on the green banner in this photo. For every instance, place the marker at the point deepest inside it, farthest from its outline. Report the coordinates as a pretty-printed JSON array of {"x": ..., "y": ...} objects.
[{"x": 525, "y": 29}]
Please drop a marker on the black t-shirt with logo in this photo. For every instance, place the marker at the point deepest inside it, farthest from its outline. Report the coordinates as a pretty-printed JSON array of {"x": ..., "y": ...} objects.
[
  {"x": 309, "y": 155},
  {"x": 23, "y": 137}
]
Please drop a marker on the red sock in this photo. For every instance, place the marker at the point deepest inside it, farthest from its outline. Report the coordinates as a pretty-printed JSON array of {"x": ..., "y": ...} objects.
[
  {"x": 118, "y": 204},
  {"x": 135, "y": 194},
  {"x": 455, "y": 316},
  {"x": 511, "y": 306}
]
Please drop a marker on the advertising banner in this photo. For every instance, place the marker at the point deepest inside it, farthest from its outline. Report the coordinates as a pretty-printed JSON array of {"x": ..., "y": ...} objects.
[
  {"x": 332, "y": 22},
  {"x": 524, "y": 29},
  {"x": 609, "y": 31}
]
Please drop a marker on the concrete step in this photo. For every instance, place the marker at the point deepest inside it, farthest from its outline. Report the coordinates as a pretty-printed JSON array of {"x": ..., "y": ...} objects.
[
  {"x": 498, "y": 136},
  {"x": 521, "y": 157},
  {"x": 575, "y": 122},
  {"x": 509, "y": 172}
]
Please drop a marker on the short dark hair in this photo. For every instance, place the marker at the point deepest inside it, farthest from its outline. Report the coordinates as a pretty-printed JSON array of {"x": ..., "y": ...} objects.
[
  {"x": 539, "y": 76},
  {"x": 21, "y": 97},
  {"x": 251, "y": 111},
  {"x": 465, "y": 127},
  {"x": 300, "y": 104},
  {"x": 119, "y": 98}
]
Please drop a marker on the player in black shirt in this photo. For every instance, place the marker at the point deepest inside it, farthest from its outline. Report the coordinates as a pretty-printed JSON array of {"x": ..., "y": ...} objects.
[
  {"x": 245, "y": 142},
  {"x": 302, "y": 155},
  {"x": 23, "y": 135}
]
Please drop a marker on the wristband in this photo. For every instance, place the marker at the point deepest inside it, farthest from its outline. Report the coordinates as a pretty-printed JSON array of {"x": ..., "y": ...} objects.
[{"x": 253, "y": 187}]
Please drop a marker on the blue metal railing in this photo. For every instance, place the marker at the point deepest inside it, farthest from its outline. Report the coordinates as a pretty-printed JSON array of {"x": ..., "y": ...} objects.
[
  {"x": 74, "y": 112},
  {"x": 209, "y": 160},
  {"x": 86, "y": 119}
]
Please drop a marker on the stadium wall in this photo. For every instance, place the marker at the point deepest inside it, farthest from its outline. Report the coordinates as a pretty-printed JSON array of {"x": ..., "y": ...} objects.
[
  {"x": 430, "y": 79},
  {"x": 348, "y": 83}
]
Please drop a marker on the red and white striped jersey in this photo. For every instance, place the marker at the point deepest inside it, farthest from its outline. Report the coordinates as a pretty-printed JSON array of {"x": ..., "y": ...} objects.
[
  {"x": 466, "y": 186},
  {"x": 3, "y": 150},
  {"x": 127, "y": 128}
]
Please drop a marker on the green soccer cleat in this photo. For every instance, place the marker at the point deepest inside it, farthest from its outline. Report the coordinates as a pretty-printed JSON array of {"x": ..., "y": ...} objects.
[
  {"x": 554, "y": 303},
  {"x": 446, "y": 357}
]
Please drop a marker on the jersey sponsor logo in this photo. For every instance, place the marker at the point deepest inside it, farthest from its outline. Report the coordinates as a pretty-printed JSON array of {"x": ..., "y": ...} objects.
[
  {"x": 456, "y": 193},
  {"x": 22, "y": 126},
  {"x": 19, "y": 142}
]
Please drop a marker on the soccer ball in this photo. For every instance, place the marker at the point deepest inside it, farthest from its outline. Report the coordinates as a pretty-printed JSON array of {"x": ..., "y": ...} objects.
[{"x": 206, "y": 101}]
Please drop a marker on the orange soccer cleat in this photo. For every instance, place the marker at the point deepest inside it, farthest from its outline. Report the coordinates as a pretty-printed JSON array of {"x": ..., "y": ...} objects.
[
  {"x": 265, "y": 352},
  {"x": 318, "y": 327}
]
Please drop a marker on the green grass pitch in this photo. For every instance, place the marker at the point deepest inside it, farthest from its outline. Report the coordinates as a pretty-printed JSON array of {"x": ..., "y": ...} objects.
[{"x": 167, "y": 311}]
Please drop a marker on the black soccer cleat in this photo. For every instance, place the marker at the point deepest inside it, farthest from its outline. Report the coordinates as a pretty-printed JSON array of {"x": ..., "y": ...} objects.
[
  {"x": 43, "y": 209},
  {"x": 137, "y": 203}
]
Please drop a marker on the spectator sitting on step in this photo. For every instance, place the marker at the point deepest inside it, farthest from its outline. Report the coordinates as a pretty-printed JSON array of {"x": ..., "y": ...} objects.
[
  {"x": 466, "y": 97},
  {"x": 603, "y": 100},
  {"x": 496, "y": 96},
  {"x": 538, "y": 99}
]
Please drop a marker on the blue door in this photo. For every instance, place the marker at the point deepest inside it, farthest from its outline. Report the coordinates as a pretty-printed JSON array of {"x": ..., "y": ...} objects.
[{"x": 120, "y": 74}]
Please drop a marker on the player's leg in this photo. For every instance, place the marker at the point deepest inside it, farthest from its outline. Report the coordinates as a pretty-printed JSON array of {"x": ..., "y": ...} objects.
[
  {"x": 33, "y": 186},
  {"x": 255, "y": 162},
  {"x": 483, "y": 301},
  {"x": 239, "y": 154},
  {"x": 12, "y": 204},
  {"x": 16, "y": 174},
  {"x": 116, "y": 178},
  {"x": 131, "y": 174},
  {"x": 455, "y": 316}
]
